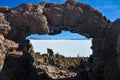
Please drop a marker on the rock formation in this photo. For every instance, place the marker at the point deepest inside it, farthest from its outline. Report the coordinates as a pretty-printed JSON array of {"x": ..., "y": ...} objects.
[
  {"x": 3, "y": 52},
  {"x": 49, "y": 18},
  {"x": 57, "y": 73},
  {"x": 4, "y": 25}
]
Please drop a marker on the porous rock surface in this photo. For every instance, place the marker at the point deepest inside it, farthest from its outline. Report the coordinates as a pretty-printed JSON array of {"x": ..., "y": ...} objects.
[
  {"x": 50, "y": 18},
  {"x": 4, "y": 25}
]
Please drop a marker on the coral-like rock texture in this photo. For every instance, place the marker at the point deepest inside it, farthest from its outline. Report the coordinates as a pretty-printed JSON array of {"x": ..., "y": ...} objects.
[
  {"x": 4, "y": 25},
  {"x": 16, "y": 62}
]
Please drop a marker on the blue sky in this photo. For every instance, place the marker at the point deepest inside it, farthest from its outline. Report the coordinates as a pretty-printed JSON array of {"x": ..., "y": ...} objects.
[
  {"x": 64, "y": 35},
  {"x": 109, "y": 8}
]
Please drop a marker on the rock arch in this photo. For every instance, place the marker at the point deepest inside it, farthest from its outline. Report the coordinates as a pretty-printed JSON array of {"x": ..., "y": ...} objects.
[{"x": 49, "y": 18}]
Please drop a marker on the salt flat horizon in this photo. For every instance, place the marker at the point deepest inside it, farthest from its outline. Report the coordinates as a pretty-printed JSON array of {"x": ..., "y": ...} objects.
[{"x": 68, "y": 48}]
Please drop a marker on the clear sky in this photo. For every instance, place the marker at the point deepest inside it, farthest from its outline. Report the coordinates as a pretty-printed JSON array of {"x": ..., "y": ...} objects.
[
  {"x": 64, "y": 35},
  {"x": 109, "y": 8}
]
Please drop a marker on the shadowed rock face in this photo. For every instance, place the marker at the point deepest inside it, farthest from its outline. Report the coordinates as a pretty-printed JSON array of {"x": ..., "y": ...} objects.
[
  {"x": 50, "y": 18},
  {"x": 6, "y": 47}
]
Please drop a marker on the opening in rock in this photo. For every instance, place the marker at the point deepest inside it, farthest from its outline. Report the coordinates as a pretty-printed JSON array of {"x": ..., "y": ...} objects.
[{"x": 66, "y": 43}]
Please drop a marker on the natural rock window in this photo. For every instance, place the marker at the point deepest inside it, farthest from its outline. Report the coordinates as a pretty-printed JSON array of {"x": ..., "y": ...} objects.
[{"x": 65, "y": 43}]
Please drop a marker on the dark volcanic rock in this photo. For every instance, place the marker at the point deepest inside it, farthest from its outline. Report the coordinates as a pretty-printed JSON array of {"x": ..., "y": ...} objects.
[
  {"x": 27, "y": 19},
  {"x": 111, "y": 70},
  {"x": 76, "y": 17},
  {"x": 54, "y": 14},
  {"x": 50, "y": 18}
]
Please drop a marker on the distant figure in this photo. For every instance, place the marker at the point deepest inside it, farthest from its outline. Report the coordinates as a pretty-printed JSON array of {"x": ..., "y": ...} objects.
[
  {"x": 50, "y": 56},
  {"x": 50, "y": 52}
]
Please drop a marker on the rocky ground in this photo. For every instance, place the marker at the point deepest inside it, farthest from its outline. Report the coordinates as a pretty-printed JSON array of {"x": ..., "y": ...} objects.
[
  {"x": 57, "y": 66},
  {"x": 56, "y": 73}
]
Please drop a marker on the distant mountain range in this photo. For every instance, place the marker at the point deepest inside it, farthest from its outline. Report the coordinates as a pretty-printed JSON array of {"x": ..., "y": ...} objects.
[{"x": 65, "y": 35}]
